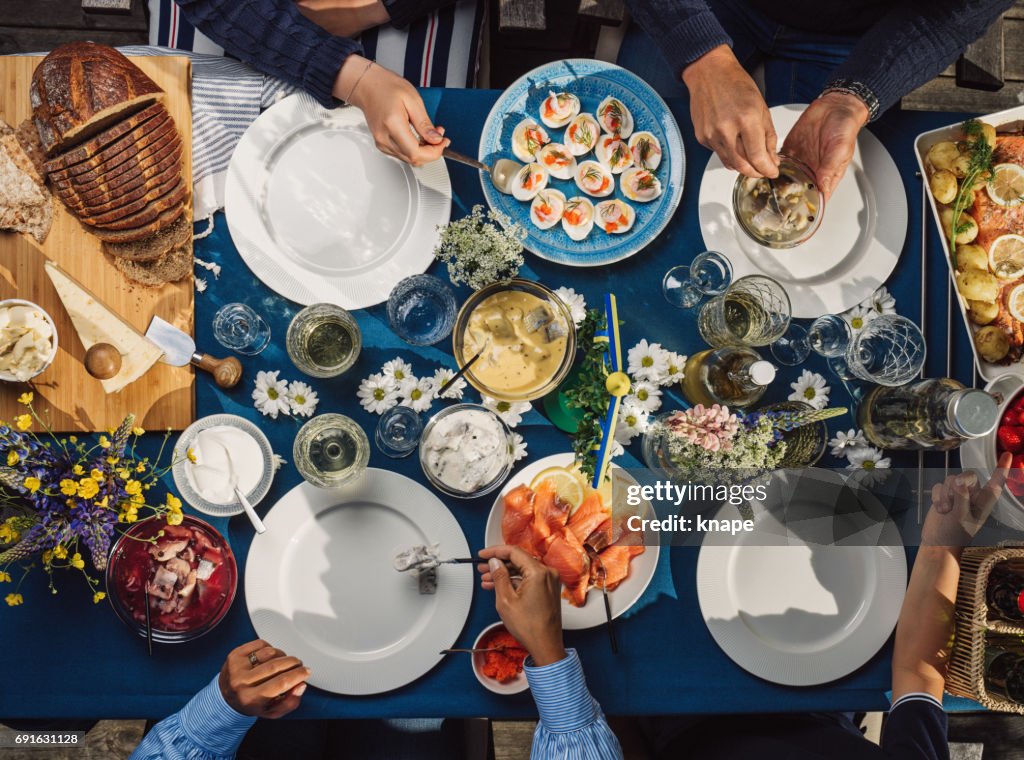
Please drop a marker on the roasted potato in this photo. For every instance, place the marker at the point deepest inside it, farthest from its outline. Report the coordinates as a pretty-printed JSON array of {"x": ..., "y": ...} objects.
[
  {"x": 943, "y": 154},
  {"x": 976, "y": 285},
  {"x": 971, "y": 256},
  {"x": 983, "y": 312},
  {"x": 943, "y": 185},
  {"x": 988, "y": 134},
  {"x": 961, "y": 165},
  {"x": 992, "y": 343},
  {"x": 969, "y": 227}
]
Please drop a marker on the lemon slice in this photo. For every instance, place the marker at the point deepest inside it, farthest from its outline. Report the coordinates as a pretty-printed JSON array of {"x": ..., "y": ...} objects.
[
  {"x": 1015, "y": 302},
  {"x": 1006, "y": 256},
  {"x": 1006, "y": 185},
  {"x": 567, "y": 485}
]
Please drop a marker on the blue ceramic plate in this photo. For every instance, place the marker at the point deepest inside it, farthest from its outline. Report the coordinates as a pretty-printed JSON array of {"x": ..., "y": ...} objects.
[{"x": 591, "y": 81}]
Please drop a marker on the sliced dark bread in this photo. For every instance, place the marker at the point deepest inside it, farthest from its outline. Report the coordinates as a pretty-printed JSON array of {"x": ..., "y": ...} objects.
[
  {"x": 132, "y": 167},
  {"x": 91, "y": 147},
  {"x": 149, "y": 212},
  {"x": 29, "y": 139},
  {"x": 153, "y": 247},
  {"x": 171, "y": 267},
  {"x": 137, "y": 174},
  {"x": 119, "y": 152},
  {"x": 148, "y": 195},
  {"x": 164, "y": 220},
  {"x": 122, "y": 196}
]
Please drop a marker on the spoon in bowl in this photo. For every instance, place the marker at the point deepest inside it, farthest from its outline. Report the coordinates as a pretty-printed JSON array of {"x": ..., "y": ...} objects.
[
  {"x": 254, "y": 518},
  {"x": 501, "y": 173}
]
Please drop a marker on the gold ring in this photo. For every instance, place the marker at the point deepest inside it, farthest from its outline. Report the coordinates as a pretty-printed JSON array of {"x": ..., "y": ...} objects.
[{"x": 253, "y": 659}]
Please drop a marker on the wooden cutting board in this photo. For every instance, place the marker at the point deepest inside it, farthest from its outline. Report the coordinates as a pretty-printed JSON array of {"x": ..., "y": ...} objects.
[{"x": 165, "y": 396}]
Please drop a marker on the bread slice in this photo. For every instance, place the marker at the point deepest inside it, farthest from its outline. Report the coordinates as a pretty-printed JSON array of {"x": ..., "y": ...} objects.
[
  {"x": 105, "y": 138},
  {"x": 98, "y": 179},
  {"x": 113, "y": 199},
  {"x": 29, "y": 140},
  {"x": 96, "y": 166},
  {"x": 124, "y": 208},
  {"x": 151, "y": 209},
  {"x": 153, "y": 247},
  {"x": 133, "y": 142},
  {"x": 24, "y": 205},
  {"x": 171, "y": 267},
  {"x": 137, "y": 172},
  {"x": 133, "y": 234},
  {"x": 81, "y": 88}
]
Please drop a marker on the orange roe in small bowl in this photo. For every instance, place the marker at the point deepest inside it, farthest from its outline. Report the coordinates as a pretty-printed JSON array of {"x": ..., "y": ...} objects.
[{"x": 506, "y": 663}]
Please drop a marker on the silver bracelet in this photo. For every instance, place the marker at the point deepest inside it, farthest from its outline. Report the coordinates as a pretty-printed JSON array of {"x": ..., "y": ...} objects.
[
  {"x": 859, "y": 90},
  {"x": 358, "y": 80}
]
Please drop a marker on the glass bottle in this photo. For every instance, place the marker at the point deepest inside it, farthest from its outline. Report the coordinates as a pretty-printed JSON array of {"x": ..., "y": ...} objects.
[
  {"x": 938, "y": 414},
  {"x": 1005, "y": 592},
  {"x": 1004, "y": 673},
  {"x": 736, "y": 377}
]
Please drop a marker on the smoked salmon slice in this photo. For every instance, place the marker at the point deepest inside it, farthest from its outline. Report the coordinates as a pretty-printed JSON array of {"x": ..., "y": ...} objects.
[
  {"x": 517, "y": 520},
  {"x": 550, "y": 513},
  {"x": 588, "y": 516},
  {"x": 615, "y": 560},
  {"x": 565, "y": 555}
]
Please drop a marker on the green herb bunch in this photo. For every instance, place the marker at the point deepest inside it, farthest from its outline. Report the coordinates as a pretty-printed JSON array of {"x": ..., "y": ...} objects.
[
  {"x": 588, "y": 392},
  {"x": 979, "y": 153}
]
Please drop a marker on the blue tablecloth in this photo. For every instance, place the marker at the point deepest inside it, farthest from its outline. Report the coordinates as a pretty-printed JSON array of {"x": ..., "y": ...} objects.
[{"x": 65, "y": 658}]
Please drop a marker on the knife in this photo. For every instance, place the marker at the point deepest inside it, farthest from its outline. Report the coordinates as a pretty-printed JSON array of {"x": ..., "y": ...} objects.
[{"x": 180, "y": 350}]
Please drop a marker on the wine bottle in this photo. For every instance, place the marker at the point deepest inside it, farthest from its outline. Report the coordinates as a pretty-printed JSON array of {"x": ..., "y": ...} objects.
[
  {"x": 1005, "y": 592},
  {"x": 1004, "y": 673},
  {"x": 734, "y": 377}
]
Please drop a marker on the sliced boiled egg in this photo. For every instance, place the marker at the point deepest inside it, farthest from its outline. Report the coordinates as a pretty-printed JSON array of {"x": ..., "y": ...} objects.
[
  {"x": 559, "y": 108},
  {"x": 595, "y": 179},
  {"x": 556, "y": 158},
  {"x": 615, "y": 118},
  {"x": 646, "y": 150},
  {"x": 529, "y": 181},
  {"x": 640, "y": 185},
  {"x": 578, "y": 217},
  {"x": 615, "y": 216},
  {"x": 546, "y": 209},
  {"x": 614, "y": 153},
  {"x": 582, "y": 134},
  {"x": 527, "y": 139}
]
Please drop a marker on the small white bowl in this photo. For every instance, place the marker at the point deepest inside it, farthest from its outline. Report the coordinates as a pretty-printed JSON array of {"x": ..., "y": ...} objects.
[
  {"x": 515, "y": 686},
  {"x": 7, "y": 377}
]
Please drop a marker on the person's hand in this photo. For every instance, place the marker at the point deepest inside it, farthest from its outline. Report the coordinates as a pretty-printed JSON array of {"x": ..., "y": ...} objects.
[
  {"x": 729, "y": 115},
  {"x": 961, "y": 505},
  {"x": 393, "y": 109},
  {"x": 531, "y": 608},
  {"x": 825, "y": 135},
  {"x": 269, "y": 688}
]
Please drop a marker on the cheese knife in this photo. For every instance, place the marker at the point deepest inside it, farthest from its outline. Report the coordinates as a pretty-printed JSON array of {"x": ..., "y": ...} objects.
[{"x": 180, "y": 350}]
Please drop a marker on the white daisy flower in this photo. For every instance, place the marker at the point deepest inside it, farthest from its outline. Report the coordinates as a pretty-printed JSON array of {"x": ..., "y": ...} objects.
[
  {"x": 518, "y": 447},
  {"x": 442, "y": 376},
  {"x": 398, "y": 370},
  {"x": 377, "y": 393},
  {"x": 647, "y": 361},
  {"x": 271, "y": 394},
  {"x": 674, "y": 369},
  {"x": 858, "y": 317},
  {"x": 867, "y": 458},
  {"x": 881, "y": 301},
  {"x": 510, "y": 411},
  {"x": 302, "y": 399},
  {"x": 811, "y": 389},
  {"x": 278, "y": 462},
  {"x": 575, "y": 303},
  {"x": 617, "y": 449},
  {"x": 633, "y": 420},
  {"x": 646, "y": 395},
  {"x": 417, "y": 394},
  {"x": 843, "y": 442}
]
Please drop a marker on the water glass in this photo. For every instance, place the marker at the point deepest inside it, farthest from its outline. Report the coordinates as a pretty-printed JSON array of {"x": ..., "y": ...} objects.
[
  {"x": 889, "y": 350},
  {"x": 753, "y": 311},
  {"x": 323, "y": 340},
  {"x": 239, "y": 328},
  {"x": 421, "y": 310},
  {"x": 793, "y": 347},
  {"x": 829, "y": 335},
  {"x": 709, "y": 274},
  {"x": 398, "y": 432}
]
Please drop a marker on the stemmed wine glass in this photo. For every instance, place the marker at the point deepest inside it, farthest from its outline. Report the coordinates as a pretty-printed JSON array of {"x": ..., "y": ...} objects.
[
  {"x": 709, "y": 274},
  {"x": 828, "y": 336}
]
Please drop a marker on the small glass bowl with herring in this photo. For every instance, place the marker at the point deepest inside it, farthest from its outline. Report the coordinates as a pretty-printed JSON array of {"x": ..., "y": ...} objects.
[{"x": 782, "y": 212}]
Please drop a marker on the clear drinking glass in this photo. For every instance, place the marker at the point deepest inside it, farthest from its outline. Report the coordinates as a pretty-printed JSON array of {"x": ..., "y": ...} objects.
[
  {"x": 239, "y": 328},
  {"x": 793, "y": 347},
  {"x": 421, "y": 310},
  {"x": 889, "y": 350},
  {"x": 331, "y": 450},
  {"x": 753, "y": 311},
  {"x": 709, "y": 274},
  {"x": 323, "y": 340},
  {"x": 398, "y": 432},
  {"x": 829, "y": 335}
]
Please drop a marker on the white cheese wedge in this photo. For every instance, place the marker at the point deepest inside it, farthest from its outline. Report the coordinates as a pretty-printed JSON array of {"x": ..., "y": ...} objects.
[{"x": 95, "y": 323}]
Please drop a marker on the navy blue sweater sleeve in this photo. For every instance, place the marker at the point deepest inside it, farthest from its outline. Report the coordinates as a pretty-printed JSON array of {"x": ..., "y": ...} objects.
[
  {"x": 913, "y": 42},
  {"x": 916, "y": 730},
  {"x": 683, "y": 30},
  {"x": 274, "y": 37}
]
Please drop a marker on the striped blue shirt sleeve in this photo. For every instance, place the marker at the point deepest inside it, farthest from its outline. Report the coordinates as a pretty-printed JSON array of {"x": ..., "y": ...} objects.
[
  {"x": 572, "y": 726},
  {"x": 207, "y": 728}
]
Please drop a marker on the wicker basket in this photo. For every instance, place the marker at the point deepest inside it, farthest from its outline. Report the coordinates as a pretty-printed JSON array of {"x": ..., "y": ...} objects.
[{"x": 966, "y": 674}]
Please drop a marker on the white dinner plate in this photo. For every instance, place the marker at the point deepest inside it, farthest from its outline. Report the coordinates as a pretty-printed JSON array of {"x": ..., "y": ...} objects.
[
  {"x": 625, "y": 595},
  {"x": 802, "y": 612},
  {"x": 320, "y": 583},
  {"x": 852, "y": 253},
  {"x": 320, "y": 215}
]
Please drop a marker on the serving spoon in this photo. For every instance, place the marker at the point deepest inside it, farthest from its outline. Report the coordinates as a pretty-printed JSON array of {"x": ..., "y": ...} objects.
[
  {"x": 501, "y": 173},
  {"x": 254, "y": 518}
]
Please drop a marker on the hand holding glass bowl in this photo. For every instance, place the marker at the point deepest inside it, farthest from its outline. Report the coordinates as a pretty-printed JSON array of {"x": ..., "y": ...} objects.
[{"x": 782, "y": 212}]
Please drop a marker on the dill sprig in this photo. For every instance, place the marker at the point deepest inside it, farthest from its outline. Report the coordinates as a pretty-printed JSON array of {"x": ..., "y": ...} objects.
[{"x": 979, "y": 154}]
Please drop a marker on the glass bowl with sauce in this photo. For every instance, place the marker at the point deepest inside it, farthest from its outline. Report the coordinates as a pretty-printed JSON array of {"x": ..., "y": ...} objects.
[
  {"x": 525, "y": 335},
  {"x": 466, "y": 450},
  {"x": 801, "y": 205},
  {"x": 190, "y": 572}
]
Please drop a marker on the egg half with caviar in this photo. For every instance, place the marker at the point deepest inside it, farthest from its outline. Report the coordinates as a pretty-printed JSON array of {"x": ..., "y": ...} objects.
[
  {"x": 595, "y": 179},
  {"x": 578, "y": 217},
  {"x": 529, "y": 181},
  {"x": 646, "y": 150},
  {"x": 546, "y": 209},
  {"x": 640, "y": 185},
  {"x": 559, "y": 108},
  {"x": 615, "y": 118},
  {"x": 556, "y": 158},
  {"x": 615, "y": 216},
  {"x": 614, "y": 153},
  {"x": 527, "y": 139},
  {"x": 581, "y": 134}
]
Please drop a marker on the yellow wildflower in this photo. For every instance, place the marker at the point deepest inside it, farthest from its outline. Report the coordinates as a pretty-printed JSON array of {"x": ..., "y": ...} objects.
[
  {"x": 13, "y": 458},
  {"x": 191, "y": 454},
  {"x": 13, "y": 600},
  {"x": 104, "y": 442},
  {"x": 32, "y": 484},
  {"x": 113, "y": 460},
  {"x": 23, "y": 421},
  {"x": 60, "y": 551},
  {"x": 175, "y": 516},
  {"x": 140, "y": 467},
  {"x": 48, "y": 556},
  {"x": 68, "y": 487},
  {"x": 78, "y": 469},
  {"x": 77, "y": 562},
  {"x": 138, "y": 498},
  {"x": 123, "y": 473},
  {"x": 73, "y": 438},
  {"x": 98, "y": 597},
  {"x": 87, "y": 488},
  {"x": 5, "y": 577},
  {"x": 26, "y": 398},
  {"x": 173, "y": 501},
  {"x": 133, "y": 487},
  {"x": 138, "y": 431},
  {"x": 103, "y": 502},
  {"x": 8, "y": 533},
  {"x": 97, "y": 475}
]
